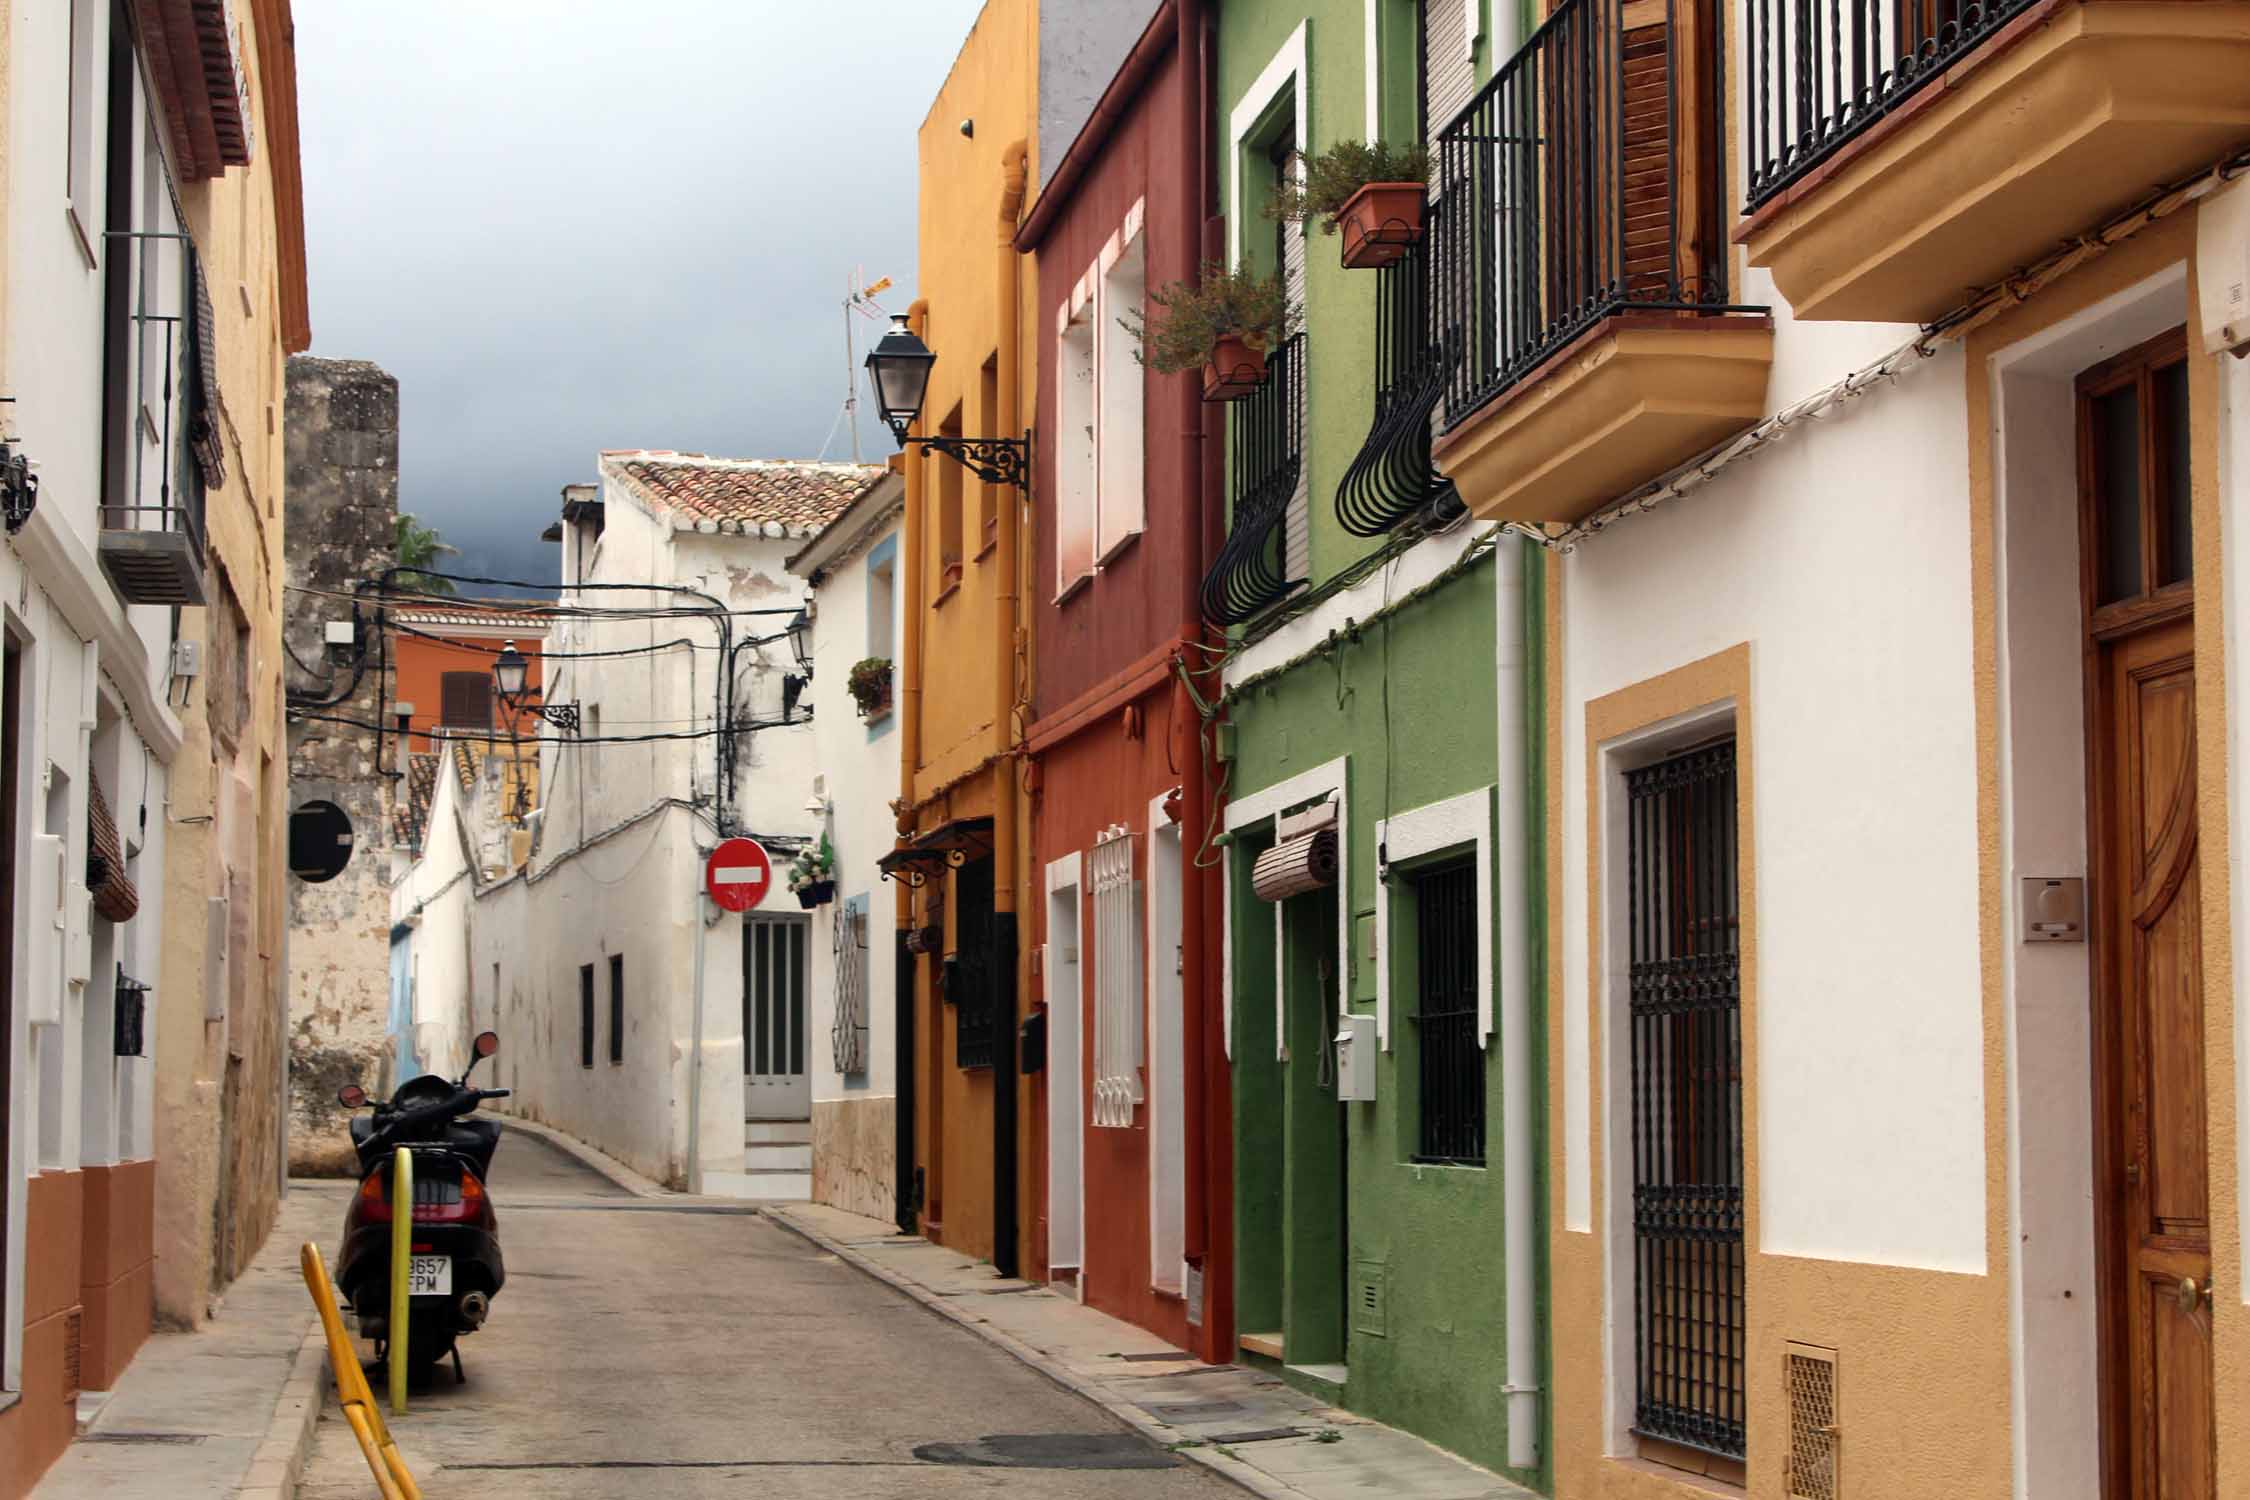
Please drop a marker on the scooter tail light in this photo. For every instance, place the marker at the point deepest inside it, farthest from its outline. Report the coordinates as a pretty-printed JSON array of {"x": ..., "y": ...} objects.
[{"x": 374, "y": 1204}]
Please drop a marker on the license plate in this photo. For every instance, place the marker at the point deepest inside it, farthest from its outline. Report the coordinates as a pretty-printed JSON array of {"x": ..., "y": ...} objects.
[{"x": 430, "y": 1276}]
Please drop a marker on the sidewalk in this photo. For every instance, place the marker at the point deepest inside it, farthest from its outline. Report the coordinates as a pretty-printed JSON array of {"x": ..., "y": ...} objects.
[
  {"x": 228, "y": 1410},
  {"x": 1243, "y": 1424}
]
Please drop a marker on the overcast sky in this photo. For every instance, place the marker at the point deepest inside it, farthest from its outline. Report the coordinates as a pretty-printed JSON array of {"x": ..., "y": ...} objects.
[{"x": 568, "y": 225}]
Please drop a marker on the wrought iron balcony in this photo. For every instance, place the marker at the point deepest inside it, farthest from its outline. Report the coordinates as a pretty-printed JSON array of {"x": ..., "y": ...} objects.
[
  {"x": 1392, "y": 478},
  {"x": 1900, "y": 152},
  {"x": 1580, "y": 183},
  {"x": 151, "y": 542},
  {"x": 1267, "y": 460},
  {"x": 1579, "y": 258}
]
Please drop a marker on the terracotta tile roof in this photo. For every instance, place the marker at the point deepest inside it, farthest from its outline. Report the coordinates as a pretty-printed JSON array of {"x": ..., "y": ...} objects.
[
  {"x": 412, "y": 817},
  {"x": 745, "y": 496},
  {"x": 528, "y": 615}
]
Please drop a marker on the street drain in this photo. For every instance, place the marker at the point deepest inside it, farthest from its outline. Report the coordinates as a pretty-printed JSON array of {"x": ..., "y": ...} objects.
[
  {"x": 1050, "y": 1450},
  {"x": 142, "y": 1437}
]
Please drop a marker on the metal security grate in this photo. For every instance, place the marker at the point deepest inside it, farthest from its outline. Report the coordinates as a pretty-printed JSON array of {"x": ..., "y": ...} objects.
[
  {"x": 968, "y": 978},
  {"x": 1686, "y": 1014},
  {"x": 848, "y": 1031},
  {"x": 1268, "y": 441},
  {"x": 1452, "y": 1064},
  {"x": 1811, "y": 1389}
]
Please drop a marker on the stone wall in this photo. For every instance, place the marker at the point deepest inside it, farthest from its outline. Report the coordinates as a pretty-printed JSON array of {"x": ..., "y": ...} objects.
[
  {"x": 342, "y": 524},
  {"x": 855, "y": 1154}
]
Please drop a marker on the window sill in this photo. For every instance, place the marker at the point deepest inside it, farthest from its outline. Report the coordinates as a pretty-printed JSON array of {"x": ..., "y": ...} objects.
[
  {"x": 991, "y": 545},
  {"x": 1682, "y": 1480},
  {"x": 1116, "y": 549},
  {"x": 1075, "y": 587},
  {"x": 952, "y": 587}
]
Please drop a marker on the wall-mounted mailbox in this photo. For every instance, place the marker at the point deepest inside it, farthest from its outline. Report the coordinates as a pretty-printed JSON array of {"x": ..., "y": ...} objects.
[
  {"x": 2054, "y": 909},
  {"x": 1355, "y": 1060}
]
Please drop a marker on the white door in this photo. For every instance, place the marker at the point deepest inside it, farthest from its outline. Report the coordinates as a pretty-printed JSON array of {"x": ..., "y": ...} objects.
[
  {"x": 1066, "y": 1102},
  {"x": 777, "y": 1081}
]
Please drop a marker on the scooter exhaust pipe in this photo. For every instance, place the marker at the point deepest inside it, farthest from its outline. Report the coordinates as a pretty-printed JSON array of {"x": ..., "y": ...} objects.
[{"x": 474, "y": 1306}]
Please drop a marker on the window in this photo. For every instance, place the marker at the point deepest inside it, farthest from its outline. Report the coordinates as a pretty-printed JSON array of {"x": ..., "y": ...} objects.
[
  {"x": 585, "y": 1015},
  {"x": 882, "y": 617},
  {"x": 1450, "y": 1068},
  {"x": 1117, "y": 981},
  {"x": 2134, "y": 412},
  {"x": 949, "y": 476},
  {"x": 1685, "y": 1015},
  {"x": 1119, "y": 506},
  {"x": 617, "y": 1007},
  {"x": 988, "y": 422},
  {"x": 465, "y": 701},
  {"x": 1074, "y": 447},
  {"x": 848, "y": 1030}
]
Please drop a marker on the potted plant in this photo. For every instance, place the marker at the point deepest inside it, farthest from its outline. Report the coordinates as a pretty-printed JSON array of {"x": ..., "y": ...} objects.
[
  {"x": 1372, "y": 192},
  {"x": 1224, "y": 322},
  {"x": 813, "y": 876},
  {"x": 869, "y": 683}
]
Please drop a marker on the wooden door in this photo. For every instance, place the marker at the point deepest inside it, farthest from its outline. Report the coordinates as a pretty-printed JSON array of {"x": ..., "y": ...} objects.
[{"x": 2149, "y": 1037}]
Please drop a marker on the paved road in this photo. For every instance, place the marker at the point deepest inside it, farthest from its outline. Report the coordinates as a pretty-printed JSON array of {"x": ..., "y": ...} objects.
[{"x": 658, "y": 1349}]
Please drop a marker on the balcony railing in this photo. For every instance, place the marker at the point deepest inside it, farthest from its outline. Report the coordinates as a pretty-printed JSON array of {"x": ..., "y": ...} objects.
[
  {"x": 151, "y": 541},
  {"x": 1392, "y": 478},
  {"x": 1268, "y": 429},
  {"x": 1581, "y": 182},
  {"x": 1823, "y": 71}
]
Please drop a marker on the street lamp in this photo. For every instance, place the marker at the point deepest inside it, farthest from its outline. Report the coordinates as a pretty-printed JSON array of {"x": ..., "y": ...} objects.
[
  {"x": 800, "y": 637},
  {"x": 899, "y": 369},
  {"x": 508, "y": 676}
]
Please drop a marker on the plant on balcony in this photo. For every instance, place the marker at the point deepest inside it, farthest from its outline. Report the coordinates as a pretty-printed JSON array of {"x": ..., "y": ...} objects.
[
  {"x": 1372, "y": 192},
  {"x": 869, "y": 683},
  {"x": 813, "y": 875},
  {"x": 1224, "y": 322}
]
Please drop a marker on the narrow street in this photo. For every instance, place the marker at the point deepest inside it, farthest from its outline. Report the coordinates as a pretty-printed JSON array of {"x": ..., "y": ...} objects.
[{"x": 679, "y": 1349}]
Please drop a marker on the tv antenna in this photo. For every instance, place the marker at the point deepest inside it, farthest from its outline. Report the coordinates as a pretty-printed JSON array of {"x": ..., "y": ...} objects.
[{"x": 858, "y": 301}]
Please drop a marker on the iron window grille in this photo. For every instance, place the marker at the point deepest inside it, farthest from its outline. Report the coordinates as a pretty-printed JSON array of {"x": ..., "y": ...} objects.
[
  {"x": 969, "y": 976},
  {"x": 1685, "y": 1007},
  {"x": 1268, "y": 429},
  {"x": 1578, "y": 185},
  {"x": 617, "y": 1007},
  {"x": 773, "y": 990},
  {"x": 131, "y": 1021},
  {"x": 1450, "y": 1067},
  {"x": 1823, "y": 74},
  {"x": 585, "y": 1015},
  {"x": 847, "y": 1036},
  {"x": 1392, "y": 477},
  {"x": 1117, "y": 980}
]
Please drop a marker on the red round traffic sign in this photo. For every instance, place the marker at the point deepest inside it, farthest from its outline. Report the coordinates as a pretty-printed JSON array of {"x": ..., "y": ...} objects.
[{"x": 738, "y": 874}]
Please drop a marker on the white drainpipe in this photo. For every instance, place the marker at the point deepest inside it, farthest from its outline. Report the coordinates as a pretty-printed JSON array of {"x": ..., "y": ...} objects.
[{"x": 1519, "y": 1208}]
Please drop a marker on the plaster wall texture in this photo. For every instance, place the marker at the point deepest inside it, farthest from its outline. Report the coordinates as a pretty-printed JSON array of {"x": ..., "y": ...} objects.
[
  {"x": 961, "y": 725},
  {"x": 1081, "y": 43},
  {"x": 342, "y": 510},
  {"x": 855, "y": 1146},
  {"x": 98, "y": 703}
]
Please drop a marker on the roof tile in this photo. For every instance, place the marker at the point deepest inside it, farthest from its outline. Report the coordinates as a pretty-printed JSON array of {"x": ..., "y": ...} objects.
[{"x": 744, "y": 495}]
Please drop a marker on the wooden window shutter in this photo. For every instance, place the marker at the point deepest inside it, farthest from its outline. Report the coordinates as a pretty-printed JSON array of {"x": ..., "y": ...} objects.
[{"x": 466, "y": 700}]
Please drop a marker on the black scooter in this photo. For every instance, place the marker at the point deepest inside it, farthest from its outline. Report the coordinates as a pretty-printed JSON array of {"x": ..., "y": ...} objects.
[{"x": 456, "y": 1270}]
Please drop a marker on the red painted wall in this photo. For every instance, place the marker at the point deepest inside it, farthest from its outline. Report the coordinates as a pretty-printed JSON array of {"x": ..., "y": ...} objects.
[{"x": 1104, "y": 648}]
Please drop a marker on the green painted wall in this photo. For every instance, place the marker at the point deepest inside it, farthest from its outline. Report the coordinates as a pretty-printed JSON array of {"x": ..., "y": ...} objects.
[{"x": 1327, "y": 1194}]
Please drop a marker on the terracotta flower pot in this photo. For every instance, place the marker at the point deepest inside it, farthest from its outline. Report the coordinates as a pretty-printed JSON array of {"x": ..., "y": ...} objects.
[
  {"x": 1380, "y": 222},
  {"x": 1236, "y": 368}
]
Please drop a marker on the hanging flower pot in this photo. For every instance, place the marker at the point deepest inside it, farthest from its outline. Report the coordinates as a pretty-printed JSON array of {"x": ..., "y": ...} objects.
[
  {"x": 816, "y": 893},
  {"x": 1236, "y": 368},
  {"x": 1380, "y": 223}
]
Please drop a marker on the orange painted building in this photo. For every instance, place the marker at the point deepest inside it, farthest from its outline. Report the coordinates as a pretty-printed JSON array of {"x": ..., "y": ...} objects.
[{"x": 442, "y": 653}]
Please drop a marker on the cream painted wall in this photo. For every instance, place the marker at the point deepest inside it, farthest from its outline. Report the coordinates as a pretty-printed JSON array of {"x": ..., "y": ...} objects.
[{"x": 1841, "y": 557}]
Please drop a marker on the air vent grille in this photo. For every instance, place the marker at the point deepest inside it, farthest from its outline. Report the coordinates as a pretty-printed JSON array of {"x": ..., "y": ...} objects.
[
  {"x": 1370, "y": 1299},
  {"x": 1813, "y": 1431}
]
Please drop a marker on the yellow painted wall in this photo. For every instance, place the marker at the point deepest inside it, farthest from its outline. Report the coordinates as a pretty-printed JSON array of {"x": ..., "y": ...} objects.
[
  {"x": 229, "y": 806},
  {"x": 963, "y": 710}
]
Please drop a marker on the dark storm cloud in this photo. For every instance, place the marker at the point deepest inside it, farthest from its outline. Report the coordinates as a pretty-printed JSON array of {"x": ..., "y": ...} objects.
[{"x": 573, "y": 226}]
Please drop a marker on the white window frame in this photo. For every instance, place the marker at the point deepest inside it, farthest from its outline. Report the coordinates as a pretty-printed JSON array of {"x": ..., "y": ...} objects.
[
  {"x": 1454, "y": 823},
  {"x": 1077, "y": 400},
  {"x": 1120, "y": 390},
  {"x": 1168, "y": 1055},
  {"x": 1064, "y": 979},
  {"x": 1119, "y": 1015}
]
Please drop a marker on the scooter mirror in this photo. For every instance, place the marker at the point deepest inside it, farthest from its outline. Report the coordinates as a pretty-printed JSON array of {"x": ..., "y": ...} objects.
[
  {"x": 487, "y": 1043},
  {"x": 351, "y": 1096}
]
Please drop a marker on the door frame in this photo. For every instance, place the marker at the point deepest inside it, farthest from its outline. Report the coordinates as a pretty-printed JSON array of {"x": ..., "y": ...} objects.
[
  {"x": 1065, "y": 990},
  {"x": 783, "y": 922},
  {"x": 2100, "y": 627}
]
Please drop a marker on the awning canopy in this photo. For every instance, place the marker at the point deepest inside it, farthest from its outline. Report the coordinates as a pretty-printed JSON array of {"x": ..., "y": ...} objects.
[{"x": 947, "y": 847}]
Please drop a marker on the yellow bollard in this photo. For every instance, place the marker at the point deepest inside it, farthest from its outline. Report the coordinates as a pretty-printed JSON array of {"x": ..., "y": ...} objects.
[
  {"x": 392, "y": 1480},
  {"x": 402, "y": 1266}
]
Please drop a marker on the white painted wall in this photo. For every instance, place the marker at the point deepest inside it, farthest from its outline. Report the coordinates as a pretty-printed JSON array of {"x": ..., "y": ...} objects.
[
  {"x": 1842, "y": 558},
  {"x": 94, "y": 671}
]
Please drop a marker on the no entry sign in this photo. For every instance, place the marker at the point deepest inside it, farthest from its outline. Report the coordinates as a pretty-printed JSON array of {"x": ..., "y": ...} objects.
[{"x": 738, "y": 874}]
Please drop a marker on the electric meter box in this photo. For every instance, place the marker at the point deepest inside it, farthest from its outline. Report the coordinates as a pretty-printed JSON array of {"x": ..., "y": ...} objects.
[{"x": 1355, "y": 1060}]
